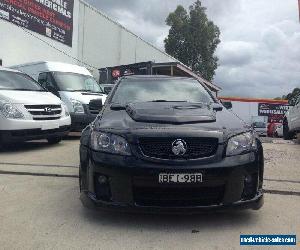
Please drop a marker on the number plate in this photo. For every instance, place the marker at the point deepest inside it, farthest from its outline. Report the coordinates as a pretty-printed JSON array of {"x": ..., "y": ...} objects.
[
  {"x": 180, "y": 178},
  {"x": 49, "y": 126}
]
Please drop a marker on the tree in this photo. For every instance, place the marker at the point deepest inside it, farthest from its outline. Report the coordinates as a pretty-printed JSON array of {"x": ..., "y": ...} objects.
[
  {"x": 193, "y": 39},
  {"x": 291, "y": 97}
]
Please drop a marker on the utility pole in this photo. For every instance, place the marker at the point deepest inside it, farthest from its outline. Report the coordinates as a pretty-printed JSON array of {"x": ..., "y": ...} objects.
[{"x": 299, "y": 9}]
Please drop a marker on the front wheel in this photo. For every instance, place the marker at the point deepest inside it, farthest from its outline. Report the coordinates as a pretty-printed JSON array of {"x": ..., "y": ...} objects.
[
  {"x": 287, "y": 135},
  {"x": 54, "y": 140}
]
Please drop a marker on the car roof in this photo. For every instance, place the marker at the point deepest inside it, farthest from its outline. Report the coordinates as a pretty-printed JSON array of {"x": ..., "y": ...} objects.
[
  {"x": 56, "y": 66},
  {"x": 9, "y": 70}
]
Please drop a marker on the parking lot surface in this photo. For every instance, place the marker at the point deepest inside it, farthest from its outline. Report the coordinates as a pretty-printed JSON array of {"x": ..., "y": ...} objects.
[{"x": 40, "y": 208}]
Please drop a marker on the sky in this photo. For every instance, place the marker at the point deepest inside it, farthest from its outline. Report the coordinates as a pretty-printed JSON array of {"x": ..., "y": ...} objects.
[{"x": 259, "y": 53}]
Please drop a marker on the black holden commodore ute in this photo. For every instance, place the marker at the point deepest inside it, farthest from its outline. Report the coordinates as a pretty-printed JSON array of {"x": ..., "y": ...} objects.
[{"x": 167, "y": 145}]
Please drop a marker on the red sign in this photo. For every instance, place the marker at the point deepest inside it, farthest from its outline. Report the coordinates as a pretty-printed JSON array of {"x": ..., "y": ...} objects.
[
  {"x": 116, "y": 73},
  {"x": 51, "y": 18},
  {"x": 275, "y": 119}
]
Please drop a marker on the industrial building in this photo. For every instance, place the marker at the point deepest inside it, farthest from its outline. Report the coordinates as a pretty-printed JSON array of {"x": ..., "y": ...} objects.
[{"x": 71, "y": 31}]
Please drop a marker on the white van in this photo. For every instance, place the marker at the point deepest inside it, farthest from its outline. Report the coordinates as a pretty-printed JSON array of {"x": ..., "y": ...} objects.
[
  {"x": 73, "y": 84},
  {"x": 28, "y": 111}
]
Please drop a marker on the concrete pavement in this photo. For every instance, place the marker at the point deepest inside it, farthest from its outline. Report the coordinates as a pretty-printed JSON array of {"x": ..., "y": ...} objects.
[{"x": 40, "y": 208}]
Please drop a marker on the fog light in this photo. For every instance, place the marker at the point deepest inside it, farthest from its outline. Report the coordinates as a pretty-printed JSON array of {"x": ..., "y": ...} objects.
[
  {"x": 250, "y": 186},
  {"x": 102, "y": 187},
  {"x": 102, "y": 179}
]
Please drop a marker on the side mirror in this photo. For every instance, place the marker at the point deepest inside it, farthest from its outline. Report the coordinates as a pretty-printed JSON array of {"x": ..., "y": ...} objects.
[
  {"x": 43, "y": 83},
  {"x": 107, "y": 90},
  {"x": 96, "y": 105},
  {"x": 217, "y": 107},
  {"x": 227, "y": 105}
]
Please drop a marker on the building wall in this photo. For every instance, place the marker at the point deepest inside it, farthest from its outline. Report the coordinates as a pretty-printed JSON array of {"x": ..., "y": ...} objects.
[
  {"x": 106, "y": 43},
  {"x": 98, "y": 42}
]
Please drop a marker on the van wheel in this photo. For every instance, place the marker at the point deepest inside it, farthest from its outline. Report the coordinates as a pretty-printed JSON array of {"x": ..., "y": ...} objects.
[
  {"x": 54, "y": 140},
  {"x": 1, "y": 143},
  {"x": 287, "y": 135}
]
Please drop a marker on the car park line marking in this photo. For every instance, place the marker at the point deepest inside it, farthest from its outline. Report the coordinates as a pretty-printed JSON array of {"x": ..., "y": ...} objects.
[
  {"x": 37, "y": 174},
  {"x": 279, "y": 192},
  {"x": 291, "y": 181},
  {"x": 37, "y": 165}
]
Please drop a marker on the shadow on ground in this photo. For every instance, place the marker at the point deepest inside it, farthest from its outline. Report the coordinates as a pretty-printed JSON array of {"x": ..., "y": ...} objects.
[
  {"x": 35, "y": 145},
  {"x": 192, "y": 223}
]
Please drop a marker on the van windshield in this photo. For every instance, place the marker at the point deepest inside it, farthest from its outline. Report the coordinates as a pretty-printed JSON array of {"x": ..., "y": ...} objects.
[
  {"x": 76, "y": 82},
  {"x": 18, "y": 81}
]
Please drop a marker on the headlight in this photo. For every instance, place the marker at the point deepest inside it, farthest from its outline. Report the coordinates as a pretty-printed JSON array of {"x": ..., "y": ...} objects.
[
  {"x": 77, "y": 106},
  {"x": 242, "y": 143},
  {"x": 65, "y": 108},
  {"x": 109, "y": 143},
  {"x": 10, "y": 111}
]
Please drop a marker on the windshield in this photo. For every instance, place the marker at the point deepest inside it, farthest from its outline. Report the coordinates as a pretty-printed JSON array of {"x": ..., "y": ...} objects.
[
  {"x": 18, "y": 81},
  {"x": 172, "y": 90},
  {"x": 76, "y": 82}
]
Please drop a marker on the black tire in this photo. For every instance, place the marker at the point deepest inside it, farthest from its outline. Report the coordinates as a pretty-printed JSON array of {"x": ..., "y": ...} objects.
[
  {"x": 54, "y": 140},
  {"x": 1, "y": 143},
  {"x": 80, "y": 181},
  {"x": 287, "y": 135}
]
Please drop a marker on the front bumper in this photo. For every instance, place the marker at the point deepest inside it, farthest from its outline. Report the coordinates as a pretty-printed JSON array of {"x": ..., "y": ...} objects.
[
  {"x": 89, "y": 201},
  {"x": 10, "y": 136},
  {"x": 133, "y": 185}
]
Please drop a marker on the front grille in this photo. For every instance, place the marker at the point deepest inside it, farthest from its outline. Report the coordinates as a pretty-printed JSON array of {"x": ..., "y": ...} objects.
[
  {"x": 161, "y": 148},
  {"x": 178, "y": 196},
  {"x": 44, "y": 112}
]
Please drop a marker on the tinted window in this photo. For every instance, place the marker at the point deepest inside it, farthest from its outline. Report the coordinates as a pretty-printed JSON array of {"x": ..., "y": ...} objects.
[
  {"x": 76, "y": 82},
  {"x": 18, "y": 81},
  {"x": 144, "y": 90}
]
